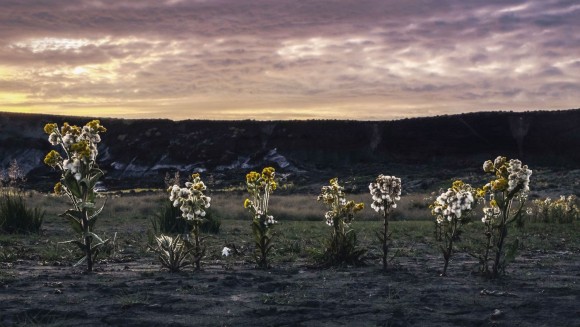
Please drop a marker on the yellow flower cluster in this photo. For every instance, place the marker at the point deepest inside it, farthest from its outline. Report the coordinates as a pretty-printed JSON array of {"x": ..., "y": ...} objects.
[
  {"x": 255, "y": 180},
  {"x": 252, "y": 177},
  {"x": 50, "y": 127},
  {"x": 70, "y": 129},
  {"x": 52, "y": 159},
  {"x": 81, "y": 148},
  {"x": 96, "y": 127},
  {"x": 58, "y": 188},
  {"x": 260, "y": 186}
]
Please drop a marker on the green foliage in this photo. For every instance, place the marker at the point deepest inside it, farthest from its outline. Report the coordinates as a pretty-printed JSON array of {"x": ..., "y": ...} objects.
[
  {"x": 172, "y": 252},
  {"x": 211, "y": 224},
  {"x": 168, "y": 220},
  {"x": 342, "y": 249},
  {"x": 16, "y": 217}
]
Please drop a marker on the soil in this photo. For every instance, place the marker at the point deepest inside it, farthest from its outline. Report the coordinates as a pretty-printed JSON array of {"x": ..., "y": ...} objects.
[{"x": 540, "y": 289}]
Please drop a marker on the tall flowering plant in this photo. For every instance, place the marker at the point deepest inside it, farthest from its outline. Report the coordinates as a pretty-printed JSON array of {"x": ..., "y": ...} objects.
[
  {"x": 342, "y": 247},
  {"x": 452, "y": 210},
  {"x": 193, "y": 203},
  {"x": 260, "y": 186},
  {"x": 385, "y": 191},
  {"x": 79, "y": 174},
  {"x": 507, "y": 193}
]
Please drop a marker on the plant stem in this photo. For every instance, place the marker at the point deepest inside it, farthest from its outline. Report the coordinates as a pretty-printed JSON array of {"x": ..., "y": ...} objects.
[
  {"x": 197, "y": 246},
  {"x": 447, "y": 254},
  {"x": 385, "y": 236},
  {"x": 88, "y": 249}
]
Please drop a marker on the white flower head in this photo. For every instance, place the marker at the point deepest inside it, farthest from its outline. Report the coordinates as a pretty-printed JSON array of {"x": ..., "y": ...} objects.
[
  {"x": 385, "y": 191},
  {"x": 226, "y": 251}
]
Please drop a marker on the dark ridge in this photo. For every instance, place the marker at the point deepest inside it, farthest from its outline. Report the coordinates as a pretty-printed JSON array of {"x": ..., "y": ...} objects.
[{"x": 138, "y": 153}]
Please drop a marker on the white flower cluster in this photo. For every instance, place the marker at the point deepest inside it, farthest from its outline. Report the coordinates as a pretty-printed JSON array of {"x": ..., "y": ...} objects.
[
  {"x": 268, "y": 219},
  {"x": 190, "y": 199},
  {"x": 74, "y": 166},
  {"x": 452, "y": 204},
  {"x": 385, "y": 192},
  {"x": 518, "y": 175}
]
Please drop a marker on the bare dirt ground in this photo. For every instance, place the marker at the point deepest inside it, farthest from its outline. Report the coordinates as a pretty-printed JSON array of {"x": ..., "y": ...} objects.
[{"x": 541, "y": 289}]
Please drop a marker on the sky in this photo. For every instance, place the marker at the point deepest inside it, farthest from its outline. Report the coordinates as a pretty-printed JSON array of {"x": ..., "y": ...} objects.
[{"x": 287, "y": 59}]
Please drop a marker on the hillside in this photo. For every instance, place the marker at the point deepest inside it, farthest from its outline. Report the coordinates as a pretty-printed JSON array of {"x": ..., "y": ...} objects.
[{"x": 138, "y": 153}]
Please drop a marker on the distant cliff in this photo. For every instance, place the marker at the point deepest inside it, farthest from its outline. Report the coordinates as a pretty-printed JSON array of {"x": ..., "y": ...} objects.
[{"x": 140, "y": 152}]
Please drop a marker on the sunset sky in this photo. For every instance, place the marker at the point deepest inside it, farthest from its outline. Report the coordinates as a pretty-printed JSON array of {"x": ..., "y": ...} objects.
[{"x": 287, "y": 59}]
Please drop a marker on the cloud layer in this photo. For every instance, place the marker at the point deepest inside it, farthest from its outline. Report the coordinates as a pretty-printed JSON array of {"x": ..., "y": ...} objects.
[{"x": 287, "y": 59}]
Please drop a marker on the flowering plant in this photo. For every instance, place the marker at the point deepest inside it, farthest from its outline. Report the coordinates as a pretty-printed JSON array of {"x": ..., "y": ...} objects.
[
  {"x": 79, "y": 175},
  {"x": 452, "y": 210},
  {"x": 342, "y": 247},
  {"x": 562, "y": 210},
  {"x": 260, "y": 186},
  {"x": 386, "y": 190},
  {"x": 507, "y": 193},
  {"x": 193, "y": 204}
]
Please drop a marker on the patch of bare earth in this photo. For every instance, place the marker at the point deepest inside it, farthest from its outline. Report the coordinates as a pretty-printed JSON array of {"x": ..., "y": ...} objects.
[{"x": 540, "y": 289}]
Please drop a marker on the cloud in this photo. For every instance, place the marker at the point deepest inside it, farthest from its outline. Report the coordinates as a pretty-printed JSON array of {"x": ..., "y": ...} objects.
[{"x": 309, "y": 59}]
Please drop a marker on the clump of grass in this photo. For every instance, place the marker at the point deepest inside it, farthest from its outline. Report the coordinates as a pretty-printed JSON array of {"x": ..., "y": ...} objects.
[
  {"x": 172, "y": 252},
  {"x": 17, "y": 217}
]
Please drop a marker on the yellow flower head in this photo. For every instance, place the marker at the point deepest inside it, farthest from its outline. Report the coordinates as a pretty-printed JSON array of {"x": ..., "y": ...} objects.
[
  {"x": 268, "y": 173},
  {"x": 58, "y": 188},
  {"x": 499, "y": 184},
  {"x": 252, "y": 177},
  {"x": 457, "y": 185},
  {"x": 480, "y": 192},
  {"x": 359, "y": 206},
  {"x": 50, "y": 127},
  {"x": 81, "y": 148},
  {"x": 493, "y": 203},
  {"x": 95, "y": 126},
  {"x": 72, "y": 129},
  {"x": 247, "y": 203},
  {"x": 52, "y": 158},
  {"x": 194, "y": 176},
  {"x": 273, "y": 185}
]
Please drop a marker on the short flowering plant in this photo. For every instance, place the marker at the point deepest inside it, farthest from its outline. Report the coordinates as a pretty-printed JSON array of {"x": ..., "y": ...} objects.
[
  {"x": 452, "y": 209},
  {"x": 77, "y": 163},
  {"x": 342, "y": 247},
  {"x": 259, "y": 187},
  {"x": 507, "y": 193},
  {"x": 562, "y": 210},
  {"x": 193, "y": 204},
  {"x": 385, "y": 192}
]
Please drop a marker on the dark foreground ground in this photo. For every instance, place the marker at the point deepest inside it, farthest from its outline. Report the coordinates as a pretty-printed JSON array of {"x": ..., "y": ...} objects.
[{"x": 541, "y": 289}]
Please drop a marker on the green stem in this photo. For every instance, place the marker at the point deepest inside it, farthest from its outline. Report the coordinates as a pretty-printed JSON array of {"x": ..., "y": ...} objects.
[{"x": 385, "y": 235}]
